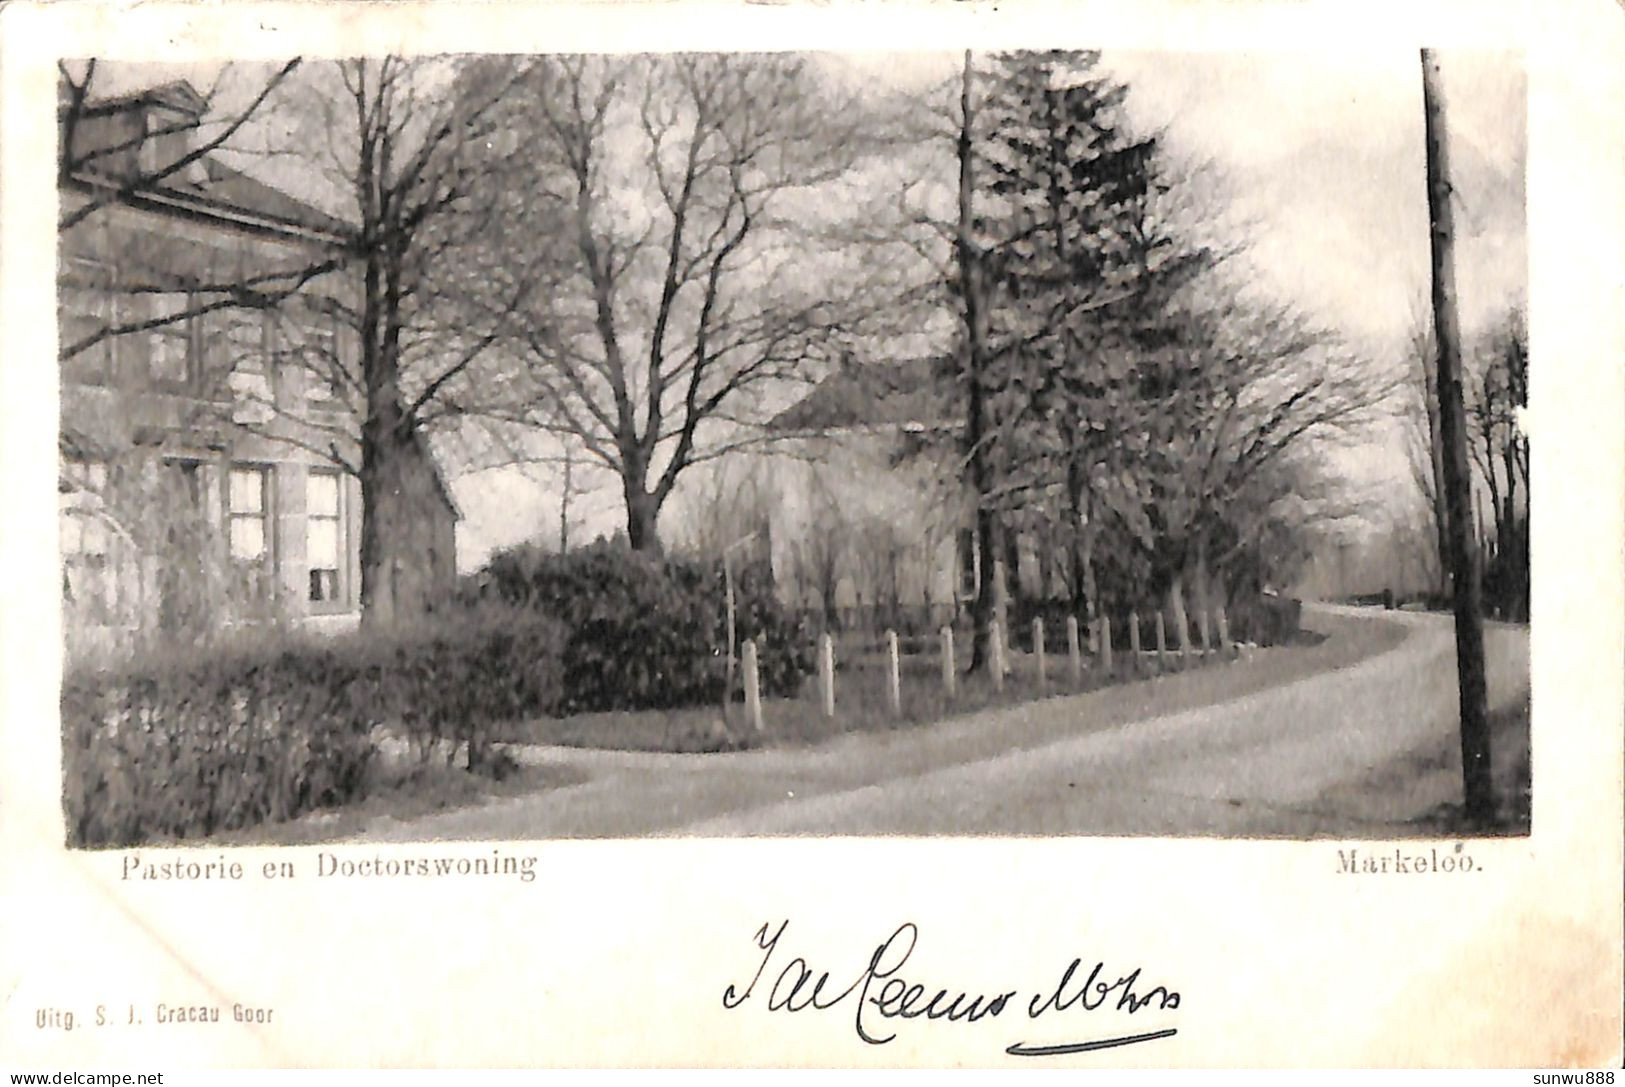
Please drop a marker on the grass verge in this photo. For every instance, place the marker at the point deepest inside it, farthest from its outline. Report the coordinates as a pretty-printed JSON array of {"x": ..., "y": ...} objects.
[
  {"x": 403, "y": 791},
  {"x": 863, "y": 698},
  {"x": 1510, "y": 773}
]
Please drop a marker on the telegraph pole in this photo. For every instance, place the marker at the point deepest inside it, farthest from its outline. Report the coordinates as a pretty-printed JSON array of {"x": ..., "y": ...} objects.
[
  {"x": 973, "y": 290},
  {"x": 1478, "y": 789}
]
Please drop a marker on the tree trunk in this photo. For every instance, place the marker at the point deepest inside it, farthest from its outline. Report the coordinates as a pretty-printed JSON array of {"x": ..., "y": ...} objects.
[
  {"x": 1176, "y": 608},
  {"x": 564, "y": 505},
  {"x": 828, "y": 581},
  {"x": 1497, "y": 566},
  {"x": 1075, "y": 579},
  {"x": 641, "y": 514},
  {"x": 1513, "y": 561},
  {"x": 1077, "y": 534},
  {"x": 1010, "y": 551},
  {"x": 396, "y": 477},
  {"x": 396, "y": 582},
  {"x": 1091, "y": 592},
  {"x": 1199, "y": 580},
  {"x": 1477, "y": 784}
]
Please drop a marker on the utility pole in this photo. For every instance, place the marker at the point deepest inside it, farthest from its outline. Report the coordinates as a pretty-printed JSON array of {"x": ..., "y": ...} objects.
[
  {"x": 973, "y": 292},
  {"x": 1478, "y": 788}
]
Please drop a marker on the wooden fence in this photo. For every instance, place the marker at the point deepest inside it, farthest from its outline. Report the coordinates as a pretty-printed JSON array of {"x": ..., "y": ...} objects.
[{"x": 1139, "y": 648}]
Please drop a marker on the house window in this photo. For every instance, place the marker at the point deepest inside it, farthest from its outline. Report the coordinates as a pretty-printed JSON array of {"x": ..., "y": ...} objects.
[
  {"x": 86, "y": 477},
  {"x": 169, "y": 345},
  {"x": 324, "y": 536},
  {"x": 245, "y": 343},
  {"x": 85, "y": 308},
  {"x": 322, "y": 365},
  {"x": 247, "y": 377},
  {"x": 89, "y": 585},
  {"x": 246, "y": 514}
]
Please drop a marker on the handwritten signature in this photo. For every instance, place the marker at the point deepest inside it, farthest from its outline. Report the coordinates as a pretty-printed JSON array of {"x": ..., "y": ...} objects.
[{"x": 884, "y": 994}]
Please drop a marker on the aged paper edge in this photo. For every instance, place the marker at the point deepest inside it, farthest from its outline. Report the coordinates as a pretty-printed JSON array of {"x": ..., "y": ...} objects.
[{"x": 620, "y": 953}]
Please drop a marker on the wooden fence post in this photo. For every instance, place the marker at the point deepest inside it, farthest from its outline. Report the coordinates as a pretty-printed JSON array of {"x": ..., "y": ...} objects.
[
  {"x": 995, "y": 644},
  {"x": 1038, "y": 653},
  {"x": 1106, "y": 643},
  {"x": 894, "y": 682},
  {"x": 950, "y": 668},
  {"x": 1074, "y": 652},
  {"x": 1134, "y": 641},
  {"x": 826, "y": 673},
  {"x": 1162, "y": 643},
  {"x": 753, "y": 687}
]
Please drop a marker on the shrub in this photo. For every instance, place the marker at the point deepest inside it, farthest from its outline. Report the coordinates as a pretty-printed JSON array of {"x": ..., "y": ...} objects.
[
  {"x": 1265, "y": 618},
  {"x": 645, "y": 632},
  {"x": 174, "y": 747},
  {"x": 268, "y": 727},
  {"x": 447, "y": 679}
]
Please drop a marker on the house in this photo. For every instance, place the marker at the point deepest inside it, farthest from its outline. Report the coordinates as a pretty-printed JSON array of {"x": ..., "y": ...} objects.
[
  {"x": 872, "y": 513},
  {"x": 873, "y": 522},
  {"x": 209, "y": 428}
]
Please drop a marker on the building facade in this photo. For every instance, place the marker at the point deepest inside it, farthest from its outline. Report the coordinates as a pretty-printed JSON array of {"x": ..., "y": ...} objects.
[
  {"x": 209, "y": 427},
  {"x": 872, "y": 514}
]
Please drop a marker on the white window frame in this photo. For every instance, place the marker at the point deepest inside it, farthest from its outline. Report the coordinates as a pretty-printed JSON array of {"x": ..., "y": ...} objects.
[
  {"x": 263, "y": 564},
  {"x": 340, "y": 598},
  {"x": 161, "y": 336}
]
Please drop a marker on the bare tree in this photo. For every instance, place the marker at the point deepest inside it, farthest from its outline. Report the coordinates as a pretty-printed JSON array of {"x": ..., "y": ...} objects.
[
  {"x": 698, "y": 257},
  {"x": 975, "y": 299},
  {"x": 396, "y": 138},
  {"x": 1496, "y": 388},
  {"x": 821, "y": 554},
  {"x": 725, "y": 505},
  {"x": 1419, "y": 408},
  {"x": 371, "y": 296},
  {"x": 126, "y": 156}
]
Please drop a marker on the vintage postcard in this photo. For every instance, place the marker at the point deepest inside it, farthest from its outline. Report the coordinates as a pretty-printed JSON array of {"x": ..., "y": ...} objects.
[{"x": 882, "y": 535}]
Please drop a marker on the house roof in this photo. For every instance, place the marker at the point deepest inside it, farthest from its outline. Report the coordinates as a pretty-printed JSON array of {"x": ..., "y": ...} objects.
[
  {"x": 237, "y": 190},
  {"x": 177, "y": 94},
  {"x": 225, "y": 192},
  {"x": 910, "y": 392},
  {"x": 211, "y": 187}
]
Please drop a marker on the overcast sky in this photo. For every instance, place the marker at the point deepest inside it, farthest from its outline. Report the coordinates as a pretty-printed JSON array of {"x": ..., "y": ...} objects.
[
  {"x": 1323, "y": 153},
  {"x": 1326, "y": 154}
]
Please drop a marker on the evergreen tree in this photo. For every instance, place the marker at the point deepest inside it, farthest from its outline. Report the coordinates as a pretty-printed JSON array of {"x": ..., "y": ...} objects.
[{"x": 1074, "y": 267}]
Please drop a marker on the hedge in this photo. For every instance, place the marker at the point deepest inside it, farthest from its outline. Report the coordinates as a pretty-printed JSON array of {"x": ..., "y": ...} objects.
[
  {"x": 269, "y": 727},
  {"x": 646, "y": 631}
]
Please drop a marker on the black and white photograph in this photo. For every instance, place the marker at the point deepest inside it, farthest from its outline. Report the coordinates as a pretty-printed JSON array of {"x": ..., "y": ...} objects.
[
  {"x": 964, "y": 443},
  {"x": 859, "y": 535}
]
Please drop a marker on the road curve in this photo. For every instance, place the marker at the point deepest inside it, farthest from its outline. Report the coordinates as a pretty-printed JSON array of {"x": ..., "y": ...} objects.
[
  {"x": 1282, "y": 762},
  {"x": 1288, "y": 760}
]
